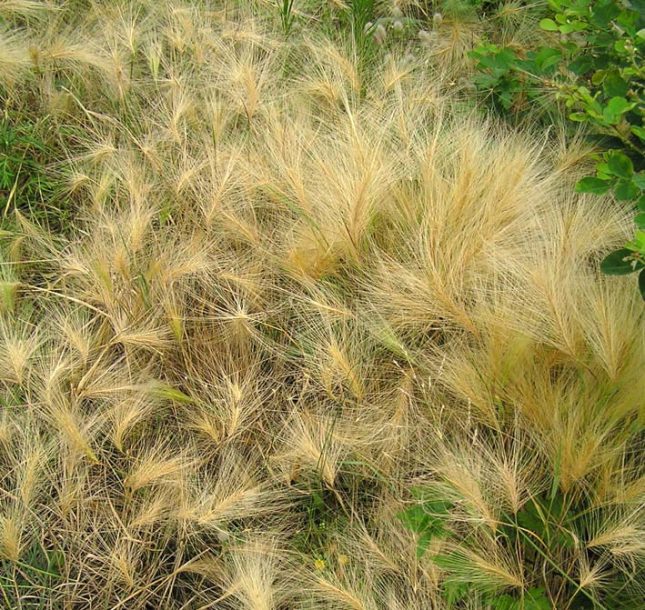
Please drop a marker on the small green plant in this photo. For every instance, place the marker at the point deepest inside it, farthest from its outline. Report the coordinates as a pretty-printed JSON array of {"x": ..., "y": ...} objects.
[
  {"x": 361, "y": 15},
  {"x": 287, "y": 15},
  {"x": 427, "y": 518},
  {"x": 25, "y": 182},
  {"x": 545, "y": 533},
  {"x": 38, "y": 573}
]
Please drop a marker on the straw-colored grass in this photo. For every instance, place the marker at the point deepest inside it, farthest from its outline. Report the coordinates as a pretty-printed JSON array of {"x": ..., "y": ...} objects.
[{"x": 295, "y": 290}]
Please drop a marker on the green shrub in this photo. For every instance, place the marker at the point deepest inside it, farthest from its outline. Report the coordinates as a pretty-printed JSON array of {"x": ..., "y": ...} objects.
[{"x": 594, "y": 64}]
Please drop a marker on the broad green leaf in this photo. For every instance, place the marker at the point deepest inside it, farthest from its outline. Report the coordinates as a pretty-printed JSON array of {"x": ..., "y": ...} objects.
[
  {"x": 555, "y": 507},
  {"x": 628, "y": 19},
  {"x": 620, "y": 46},
  {"x": 529, "y": 518},
  {"x": 505, "y": 59},
  {"x": 604, "y": 12},
  {"x": 626, "y": 190},
  {"x": 564, "y": 538},
  {"x": 536, "y": 599},
  {"x": 506, "y": 99},
  {"x": 619, "y": 262},
  {"x": 640, "y": 220},
  {"x": 549, "y": 25},
  {"x": 593, "y": 185},
  {"x": 573, "y": 26},
  {"x": 485, "y": 81},
  {"x": 415, "y": 519},
  {"x": 602, "y": 171},
  {"x": 546, "y": 58},
  {"x": 614, "y": 85},
  {"x": 615, "y": 108},
  {"x": 639, "y": 180},
  {"x": 581, "y": 65},
  {"x": 620, "y": 164},
  {"x": 598, "y": 76},
  {"x": 500, "y": 59},
  {"x": 638, "y": 243}
]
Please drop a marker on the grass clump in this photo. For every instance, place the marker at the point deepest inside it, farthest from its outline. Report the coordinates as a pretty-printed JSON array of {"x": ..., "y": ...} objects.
[{"x": 315, "y": 334}]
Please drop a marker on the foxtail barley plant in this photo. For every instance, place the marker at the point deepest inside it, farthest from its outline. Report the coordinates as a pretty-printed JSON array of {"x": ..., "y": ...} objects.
[{"x": 314, "y": 336}]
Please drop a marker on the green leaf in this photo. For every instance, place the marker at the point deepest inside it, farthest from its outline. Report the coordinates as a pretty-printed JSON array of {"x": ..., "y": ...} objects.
[
  {"x": 628, "y": 19},
  {"x": 529, "y": 518},
  {"x": 615, "y": 108},
  {"x": 504, "y": 602},
  {"x": 639, "y": 180},
  {"x": 546, "y": 58},
  {"x": 506, "y": 99},
  {"x": 639, "y": 132},
  {"x": 455, "y": 592},
  {"x": 581, "y": 65},
  {"x": 423, "y": 542},
  {"x": 556, "y": 508},
  {"x": 620, "y": 46},
  {"x": 593, "y": 185},
  {"x": 626, "y": 190},
  {"x": 614, "y": 85},
  {"x": 536, "y": 599},
  {"x": 619, "y": 164},
  {"x": 549, "y": 25},
  {"x": 619, "y": 262},
  {"x": 602, "y": 171},
  {"x": 166, "y": 392},
  {"x": 638, "y": 243},
  {"x": 415, "y": 519},
  {"x": 567, "y": 28},
  {"x": 497, "y": 59},
  {"x": 486, "y": 81},
  {"x": 604, "y": 12},
  {"x": 640, "y": 220},
  {"x": 641, "y": 283},
  {"x": 439, "y": 508},
  {"x": 504, "y": 59}
]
